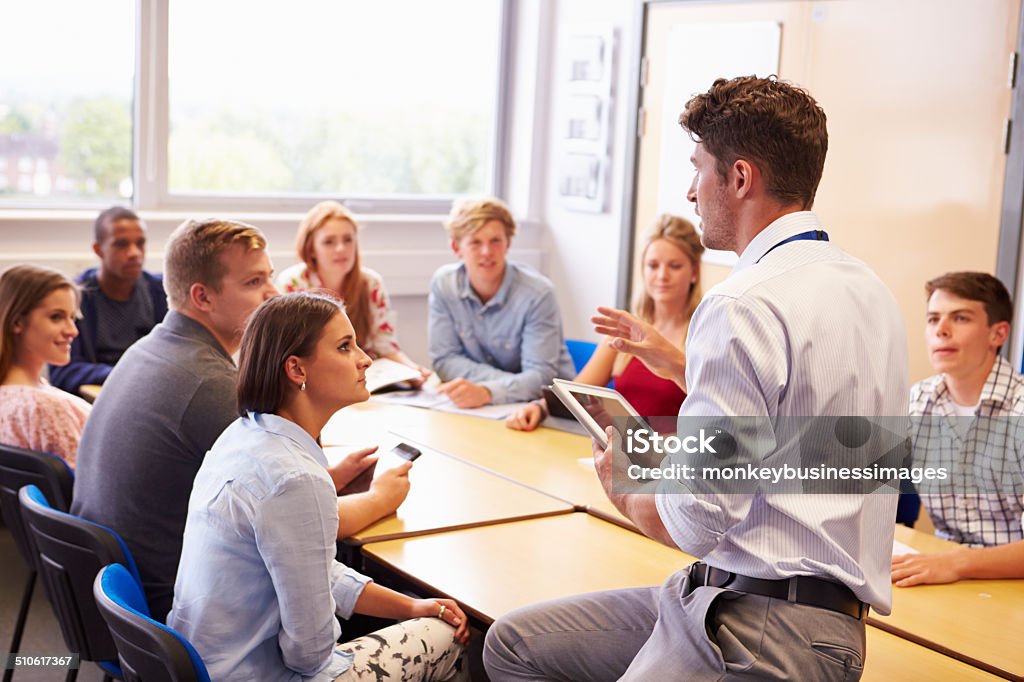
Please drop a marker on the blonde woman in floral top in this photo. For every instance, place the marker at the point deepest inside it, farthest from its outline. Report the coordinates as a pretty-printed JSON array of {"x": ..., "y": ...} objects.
[
  {"x": 37, "y": 325},
  {"x": 328, "y": 245}
]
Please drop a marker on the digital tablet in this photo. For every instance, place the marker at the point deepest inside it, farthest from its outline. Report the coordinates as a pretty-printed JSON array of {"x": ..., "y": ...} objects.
[
  {"x": 556, "y": 408},
  {"x": 597, "y": 407}
]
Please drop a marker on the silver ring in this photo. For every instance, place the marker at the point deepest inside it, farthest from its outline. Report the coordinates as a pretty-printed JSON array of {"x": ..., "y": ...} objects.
[{"x": 440, "y": 614}]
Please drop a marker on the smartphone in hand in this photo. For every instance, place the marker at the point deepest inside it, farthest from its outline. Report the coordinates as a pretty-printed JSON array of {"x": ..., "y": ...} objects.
[
  {"x": 361, "y": 483},
  {"x": 406, "y": 451}
]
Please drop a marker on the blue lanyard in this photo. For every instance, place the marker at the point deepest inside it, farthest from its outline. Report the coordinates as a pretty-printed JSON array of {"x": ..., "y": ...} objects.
[{"x": 810, "y": 235}]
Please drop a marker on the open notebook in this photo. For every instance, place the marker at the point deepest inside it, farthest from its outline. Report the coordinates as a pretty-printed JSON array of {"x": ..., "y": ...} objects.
[{"x": 384, "y": 372}]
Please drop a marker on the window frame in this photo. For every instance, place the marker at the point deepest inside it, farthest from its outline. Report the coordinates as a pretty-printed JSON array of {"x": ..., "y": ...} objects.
[{"x": 151, "y": 131}]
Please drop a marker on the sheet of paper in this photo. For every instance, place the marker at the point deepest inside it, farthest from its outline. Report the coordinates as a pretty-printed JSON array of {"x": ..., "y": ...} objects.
[
  {"x": 900, "y": 548},
  {"x": 486, "y": 412},
  {"x": 430, "y": 400},
  {"x": 425, "y": 398}
]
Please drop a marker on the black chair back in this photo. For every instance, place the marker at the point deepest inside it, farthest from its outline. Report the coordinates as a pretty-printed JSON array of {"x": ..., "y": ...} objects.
[
  {"x": 20, "y": 467},
  {"x": 71, "y": 551},
  {"x": 148, "y": 650}
]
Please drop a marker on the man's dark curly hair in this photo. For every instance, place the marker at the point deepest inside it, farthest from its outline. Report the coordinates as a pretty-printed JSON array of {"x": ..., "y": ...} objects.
[{"x": 775, "y": 125}]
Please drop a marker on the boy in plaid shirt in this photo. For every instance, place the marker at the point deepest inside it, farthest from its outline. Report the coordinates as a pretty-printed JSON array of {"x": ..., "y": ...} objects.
[{"x": 967, "y": 418}]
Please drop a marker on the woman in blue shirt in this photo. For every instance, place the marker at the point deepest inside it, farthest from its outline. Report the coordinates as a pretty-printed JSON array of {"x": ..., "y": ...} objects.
[{"x": 258, "y": 587}]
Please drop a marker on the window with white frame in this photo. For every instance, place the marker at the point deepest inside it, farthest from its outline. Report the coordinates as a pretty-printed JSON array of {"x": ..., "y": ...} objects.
[
  {"x": 251, "y": 103},
  {"x": 66, "y": 83}
]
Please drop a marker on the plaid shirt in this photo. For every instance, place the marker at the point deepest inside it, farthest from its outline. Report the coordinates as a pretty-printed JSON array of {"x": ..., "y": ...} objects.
[{"x": 981, "y": 504}]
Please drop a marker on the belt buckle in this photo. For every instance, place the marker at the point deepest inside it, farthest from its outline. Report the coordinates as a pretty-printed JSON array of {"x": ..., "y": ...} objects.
[
  {"x": 700, "y": 575},
  {"x": 695, "y": 575},
  {"x": 794, "y": 588},
  {"x": 713, "y": 577}
]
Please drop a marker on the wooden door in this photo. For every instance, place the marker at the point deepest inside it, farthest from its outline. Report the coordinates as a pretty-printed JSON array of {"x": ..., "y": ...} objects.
[{"x": 917, "y": 95}]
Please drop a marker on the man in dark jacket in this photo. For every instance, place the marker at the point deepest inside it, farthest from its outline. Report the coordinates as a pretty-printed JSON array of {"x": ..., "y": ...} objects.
[{"x": 121, "y": 302}]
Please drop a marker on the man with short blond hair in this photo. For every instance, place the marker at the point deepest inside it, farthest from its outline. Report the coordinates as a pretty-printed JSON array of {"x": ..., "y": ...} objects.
[
  {"x": 977, "y": 390},
  {"x": 494, "y": 328},
  {"x": 173, "y": 394},
  {"x": 170, "y": 397}
]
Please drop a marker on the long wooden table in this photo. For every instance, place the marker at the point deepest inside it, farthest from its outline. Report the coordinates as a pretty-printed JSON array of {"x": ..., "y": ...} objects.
[
  {"x": 894, "y": 658},
  {"x": 977, "y": 621},
  {"x": 493, "y": 570},
  {"x": 445, "y": 493},
  {"x": 554, "y": 462},
  {"x": 90, "y": 391}
]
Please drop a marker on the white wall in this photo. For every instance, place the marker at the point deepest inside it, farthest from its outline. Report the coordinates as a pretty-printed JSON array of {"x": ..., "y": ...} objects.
[{"x": 584, "y": 247}]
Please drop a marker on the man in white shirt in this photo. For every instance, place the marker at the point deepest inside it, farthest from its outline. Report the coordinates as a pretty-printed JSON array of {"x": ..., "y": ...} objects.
[
  {"x": 979, "y": 394},
  {"x": 799, "y": 330}
]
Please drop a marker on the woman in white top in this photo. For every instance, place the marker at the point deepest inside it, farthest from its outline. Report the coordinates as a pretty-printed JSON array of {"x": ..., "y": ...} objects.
[
  {"x": 37, "y": 325},
  {"x": 327, "y": 244},
  {"x": 258, "y": 587}
]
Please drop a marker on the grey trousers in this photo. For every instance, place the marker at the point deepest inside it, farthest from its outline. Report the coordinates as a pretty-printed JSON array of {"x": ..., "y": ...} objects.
[{"x": 653, "y": 634}]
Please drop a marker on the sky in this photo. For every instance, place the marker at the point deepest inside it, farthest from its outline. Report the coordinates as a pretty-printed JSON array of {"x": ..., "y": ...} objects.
[
  {"x": 61, "y": 46},
  {"x": 304, "y": 53}
]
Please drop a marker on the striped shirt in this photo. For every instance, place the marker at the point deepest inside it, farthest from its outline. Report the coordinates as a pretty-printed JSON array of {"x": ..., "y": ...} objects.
[
  {"x": 983, "y": 453},
  {"x": 803, "y": 331}
]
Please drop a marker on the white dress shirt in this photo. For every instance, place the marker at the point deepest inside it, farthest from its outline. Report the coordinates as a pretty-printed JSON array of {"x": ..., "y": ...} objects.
[
  {"x": 258, "y": 587},
  {"x": 803, "y": 331}
]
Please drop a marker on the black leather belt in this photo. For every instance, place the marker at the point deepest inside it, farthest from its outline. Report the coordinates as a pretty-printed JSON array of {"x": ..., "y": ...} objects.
[{"x": 802, "y": 589}]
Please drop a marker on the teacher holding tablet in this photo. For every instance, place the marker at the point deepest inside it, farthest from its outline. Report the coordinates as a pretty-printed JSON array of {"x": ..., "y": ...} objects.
[{"x": 798, "y": 329}]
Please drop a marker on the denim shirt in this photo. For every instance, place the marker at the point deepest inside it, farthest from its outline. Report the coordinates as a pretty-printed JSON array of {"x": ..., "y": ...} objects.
[
  {"x": 512, "y": 345},
  {"x": 258, "y": 587}
]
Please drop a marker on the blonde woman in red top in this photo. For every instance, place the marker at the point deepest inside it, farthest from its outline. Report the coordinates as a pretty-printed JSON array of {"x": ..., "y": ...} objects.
[{"x": 671, "y": 275}]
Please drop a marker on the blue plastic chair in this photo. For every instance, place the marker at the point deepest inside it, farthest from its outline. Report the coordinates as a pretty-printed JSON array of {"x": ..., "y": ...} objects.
[
  {"x": 909, "y": 506},
  {"x": 70, "y": 552},
  {"x": 148, "y": 649},
  {"x": 18, "y": 468},
  {"x": 580, "y": 351}
]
